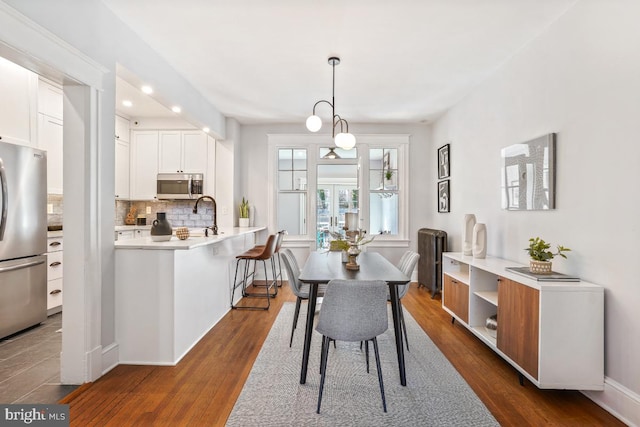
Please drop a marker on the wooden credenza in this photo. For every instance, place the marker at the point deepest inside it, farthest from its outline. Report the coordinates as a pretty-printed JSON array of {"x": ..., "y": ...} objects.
[{"x": 551, "y": 332}]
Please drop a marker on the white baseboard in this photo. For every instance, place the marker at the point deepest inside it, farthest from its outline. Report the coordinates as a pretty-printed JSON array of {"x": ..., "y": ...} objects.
[
  {"x": 94, "y": 364},
  {"x": 618, "y": 400},
  {"x": 110, "y": 357}
]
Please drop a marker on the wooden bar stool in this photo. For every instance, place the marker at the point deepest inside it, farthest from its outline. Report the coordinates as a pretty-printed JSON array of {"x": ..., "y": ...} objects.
[{"x": 258, "y": 253}]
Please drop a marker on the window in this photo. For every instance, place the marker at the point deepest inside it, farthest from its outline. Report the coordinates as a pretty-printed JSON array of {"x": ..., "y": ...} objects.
[
  {"x": 292, "y": 190},
  {"x": 383, "y": 191},
  {"x": 311, "y": 190}
]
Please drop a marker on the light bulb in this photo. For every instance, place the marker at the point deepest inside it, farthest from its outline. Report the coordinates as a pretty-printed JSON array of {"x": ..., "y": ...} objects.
[
  {"x": 314, "y": 123},
  {"x": 346, "y": 141}
]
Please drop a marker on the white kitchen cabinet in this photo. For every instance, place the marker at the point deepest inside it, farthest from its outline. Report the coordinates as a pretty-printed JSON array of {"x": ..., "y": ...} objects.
[
  {"x": 122, "y": 129},
  {"x": 50, "y": 139},
  {"x": 54, "y": 274},
  {"x": 49, "y": 99},
  {"x": 123, "y": 157},
  {"x": 122, "y": 170},
  {"x": 18, "y": 115},
  {"x": 182, "y": 151},
  {"x": 144, "y": 165}
]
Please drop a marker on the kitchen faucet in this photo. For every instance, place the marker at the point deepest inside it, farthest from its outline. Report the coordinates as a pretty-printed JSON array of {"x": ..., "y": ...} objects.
[{"x": 215, "y": 213}]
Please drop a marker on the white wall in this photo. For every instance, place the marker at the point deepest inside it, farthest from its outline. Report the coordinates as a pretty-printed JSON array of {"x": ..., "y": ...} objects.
[{"x": 580, "y": 79}]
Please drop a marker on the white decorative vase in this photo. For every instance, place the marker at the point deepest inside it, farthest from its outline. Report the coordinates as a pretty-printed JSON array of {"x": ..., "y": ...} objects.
[
  {"x": 467, "y": 233},
  {"x": 479, "y": 241},
  {"x": 243, "y": 222}
]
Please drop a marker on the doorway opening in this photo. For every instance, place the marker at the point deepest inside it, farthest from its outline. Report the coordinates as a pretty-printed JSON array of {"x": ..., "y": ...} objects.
[{"x": 336, "y": 194}]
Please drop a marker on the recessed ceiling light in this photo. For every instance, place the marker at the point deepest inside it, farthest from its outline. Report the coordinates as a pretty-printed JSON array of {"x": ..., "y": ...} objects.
[
  {"x": 146, "y": 89},
  {"x": 176, "y": 109},
  {"x": 127, "y": 103},
  {"x": 206, "y": 130}
]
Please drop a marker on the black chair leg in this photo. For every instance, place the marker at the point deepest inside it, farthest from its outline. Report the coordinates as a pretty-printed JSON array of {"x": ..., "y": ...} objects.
[
  {"x": 404, "y": 326},
  {"x": 295, "y": 319},
  {"x": 366, "y": 352},
  {"x": 375, "y": 349},
  {"x": 323, "y": 368}
]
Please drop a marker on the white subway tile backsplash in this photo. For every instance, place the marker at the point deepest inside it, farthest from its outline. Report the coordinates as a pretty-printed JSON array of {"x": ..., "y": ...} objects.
[{"x": 179, "y": 212}]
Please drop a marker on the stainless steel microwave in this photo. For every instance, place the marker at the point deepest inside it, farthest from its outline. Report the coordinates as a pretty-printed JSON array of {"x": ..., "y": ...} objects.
[{"x": 179, "y": 186}]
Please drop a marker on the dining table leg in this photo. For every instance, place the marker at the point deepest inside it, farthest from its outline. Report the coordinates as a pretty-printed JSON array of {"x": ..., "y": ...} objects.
[
  {"x": 397, "y": 329},
  {"x": 311, "y": 308}
]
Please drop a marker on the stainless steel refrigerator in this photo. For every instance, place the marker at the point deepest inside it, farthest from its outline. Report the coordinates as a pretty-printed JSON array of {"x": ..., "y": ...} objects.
[{"x": 23, "y": 237}]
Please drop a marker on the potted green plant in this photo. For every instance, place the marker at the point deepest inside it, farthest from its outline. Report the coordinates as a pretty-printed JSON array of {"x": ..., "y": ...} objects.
[
  {"x": 541, "y": 255},
  {"x": 244, "y": 213},
  {"x": 388, "y": 174}
]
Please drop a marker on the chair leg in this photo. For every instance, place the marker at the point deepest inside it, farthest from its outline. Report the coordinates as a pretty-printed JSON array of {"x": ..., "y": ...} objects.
[
  {"x": 404, "y": 326},
  {"x": 366, "y": 352},
  {"x": 295, "y": 319},
  {"x": 280, "y": 270},
  {"x": 244, "y": 287},
  {"x": 323, "y": 368},
  {"x": 375, "y": 349}
]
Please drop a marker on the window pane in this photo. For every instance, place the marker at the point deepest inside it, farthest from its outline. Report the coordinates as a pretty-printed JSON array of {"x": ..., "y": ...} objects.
[
  {"x": 300, "y": 180},
  {"x": 292, "y": 213},
  {"x": 375, "y": 158},
  {"x": 383, "y": 212},
  {"x": 285, "y": 156},
  {"x": 390, "y": 179},
  {"x": 300, "y": 159},
  {"x": 375, "y": 179},
  {"x": 391, "y": 158},
  {"x": 344, "y": 154},
  {"x": 285, "y": 180}
]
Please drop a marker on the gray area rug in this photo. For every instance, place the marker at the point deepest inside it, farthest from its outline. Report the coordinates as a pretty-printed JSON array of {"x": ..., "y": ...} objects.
[{"x": 435, "y": 395}]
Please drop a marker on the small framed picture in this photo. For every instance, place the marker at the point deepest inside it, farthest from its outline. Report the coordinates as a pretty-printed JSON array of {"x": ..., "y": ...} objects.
[
  {"x": 444, "y": 201},
  {"x": 443, "y": 162}
]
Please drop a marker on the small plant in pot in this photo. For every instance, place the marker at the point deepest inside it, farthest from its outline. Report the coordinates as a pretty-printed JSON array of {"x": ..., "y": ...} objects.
[
  {"x": 244, "y": 213},
  {"x": 541, "y": 256}
]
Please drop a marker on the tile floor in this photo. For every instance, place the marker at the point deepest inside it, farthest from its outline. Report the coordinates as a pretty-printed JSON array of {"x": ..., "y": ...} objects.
[{"x": 30, "y": 365}]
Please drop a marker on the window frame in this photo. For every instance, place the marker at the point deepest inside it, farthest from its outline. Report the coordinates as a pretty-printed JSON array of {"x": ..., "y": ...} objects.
[{"x": 313, "y": 143}]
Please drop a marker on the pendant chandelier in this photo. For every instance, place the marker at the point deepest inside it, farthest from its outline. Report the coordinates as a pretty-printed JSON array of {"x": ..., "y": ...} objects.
[{"x": 343, "y": 139}]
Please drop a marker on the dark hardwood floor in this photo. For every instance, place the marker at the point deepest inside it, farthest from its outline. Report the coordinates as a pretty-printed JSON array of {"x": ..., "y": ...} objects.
[{"x": 203, "y": 388}]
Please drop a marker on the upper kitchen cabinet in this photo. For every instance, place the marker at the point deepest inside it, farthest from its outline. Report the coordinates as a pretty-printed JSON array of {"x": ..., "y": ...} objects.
[
  {"x": 49, "y": 99},
  {"x": 144, "y": 164},
  {"x": 50, "y": 139},
  {"x": 18, "y": 115},
  {"x": 122, "y": 129},
  {"x": 122, "y": 146},
  {"x": 50, "y": 132},
  {"x": 182, "y": 151}
]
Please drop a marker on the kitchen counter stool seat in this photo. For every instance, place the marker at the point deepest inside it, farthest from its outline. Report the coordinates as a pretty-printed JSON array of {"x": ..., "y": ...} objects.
[{"x": 264, "y": 253}]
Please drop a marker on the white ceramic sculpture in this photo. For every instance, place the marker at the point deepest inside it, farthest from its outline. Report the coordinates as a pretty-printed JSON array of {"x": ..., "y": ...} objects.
[
  {"x": 467, "y": 233},
  {"x": 479, "y": 241}
]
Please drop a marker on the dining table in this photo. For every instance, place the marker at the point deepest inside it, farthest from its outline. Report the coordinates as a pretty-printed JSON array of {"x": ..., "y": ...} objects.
[{"x": 322, "y": 267}]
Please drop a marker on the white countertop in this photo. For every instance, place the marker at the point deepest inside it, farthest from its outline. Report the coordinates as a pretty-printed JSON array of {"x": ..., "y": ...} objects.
[
  {"x": 190, "y": 243},
  {"x": 498, "y": 266}
]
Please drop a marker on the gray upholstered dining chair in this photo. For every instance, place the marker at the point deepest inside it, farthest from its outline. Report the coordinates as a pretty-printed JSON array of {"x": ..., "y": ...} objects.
[
  {"x": 352, "y": 310},
  {"x": 406, "y": 264},
  {"x": 299, "y": 289}
]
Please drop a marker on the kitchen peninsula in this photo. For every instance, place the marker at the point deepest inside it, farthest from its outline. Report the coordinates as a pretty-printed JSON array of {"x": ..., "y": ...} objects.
[{"x": 168, "y": 295}]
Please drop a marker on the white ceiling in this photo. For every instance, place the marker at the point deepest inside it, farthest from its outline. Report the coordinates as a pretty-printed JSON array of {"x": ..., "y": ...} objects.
[
  {"x": 142, "y": 105},
  {"x": 403, "y": 61}
]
